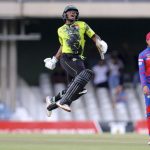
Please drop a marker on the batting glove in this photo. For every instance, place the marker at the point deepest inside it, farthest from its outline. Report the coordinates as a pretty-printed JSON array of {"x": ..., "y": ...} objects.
[
  {"x": 50, "y": 63},
  {"x": 101, "y": 45}
]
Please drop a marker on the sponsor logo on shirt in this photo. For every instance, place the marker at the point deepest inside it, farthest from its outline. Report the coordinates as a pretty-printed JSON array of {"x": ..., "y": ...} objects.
[{"x": 140, "y": 61}]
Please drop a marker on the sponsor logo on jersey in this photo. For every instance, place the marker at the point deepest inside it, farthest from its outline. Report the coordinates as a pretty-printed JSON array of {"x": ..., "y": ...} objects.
[{"x": 140, "y": 61}]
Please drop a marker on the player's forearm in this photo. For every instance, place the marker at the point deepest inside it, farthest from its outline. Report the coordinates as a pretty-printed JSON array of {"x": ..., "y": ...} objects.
[
  {"x": 142, "y": 78},
  {"x": 59, "y": 53},
  {"x": 142, "y": 70},
  {"x": 95, "y": 37}
]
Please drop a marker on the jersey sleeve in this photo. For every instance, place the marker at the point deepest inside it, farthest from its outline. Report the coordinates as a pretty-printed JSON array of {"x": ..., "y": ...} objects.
[
  {"x": 89, "y": 32},
  {"x": 59, "y": 37},
  {"x": 141, "y": 65}
]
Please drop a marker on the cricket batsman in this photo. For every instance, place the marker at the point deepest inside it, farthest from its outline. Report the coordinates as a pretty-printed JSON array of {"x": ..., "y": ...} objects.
[
  {"x": 144, "y": 72},
  {"x": 71, "y": 57}
]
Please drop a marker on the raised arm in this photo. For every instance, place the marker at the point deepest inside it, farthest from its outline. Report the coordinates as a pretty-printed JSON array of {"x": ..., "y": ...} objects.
[{"x": 100, "y": 44}]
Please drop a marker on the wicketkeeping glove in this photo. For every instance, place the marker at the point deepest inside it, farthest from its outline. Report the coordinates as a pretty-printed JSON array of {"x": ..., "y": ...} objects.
[
  {"x": 102, "y": 47},
  {"x": 50, "y": 63}
]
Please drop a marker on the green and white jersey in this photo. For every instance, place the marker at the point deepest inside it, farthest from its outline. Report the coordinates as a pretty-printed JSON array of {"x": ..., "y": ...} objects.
[{"x": 71, "y": 37}]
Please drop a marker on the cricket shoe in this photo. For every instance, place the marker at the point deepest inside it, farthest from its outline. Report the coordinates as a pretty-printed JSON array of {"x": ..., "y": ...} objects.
[
  {"x": 148, "y": 142},
  {"x": 49, "y": 101},
  {"x": 64, "y": 106}
]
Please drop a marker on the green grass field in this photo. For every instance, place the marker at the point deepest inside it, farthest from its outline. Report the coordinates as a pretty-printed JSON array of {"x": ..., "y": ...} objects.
[{"x": 73, "y": 142}]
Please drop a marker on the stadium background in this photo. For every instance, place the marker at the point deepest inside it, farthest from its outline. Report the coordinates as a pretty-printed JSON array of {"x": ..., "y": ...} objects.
[
  {"x": 22, "y": 69},
  {"x": 115, "y": 31}
]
